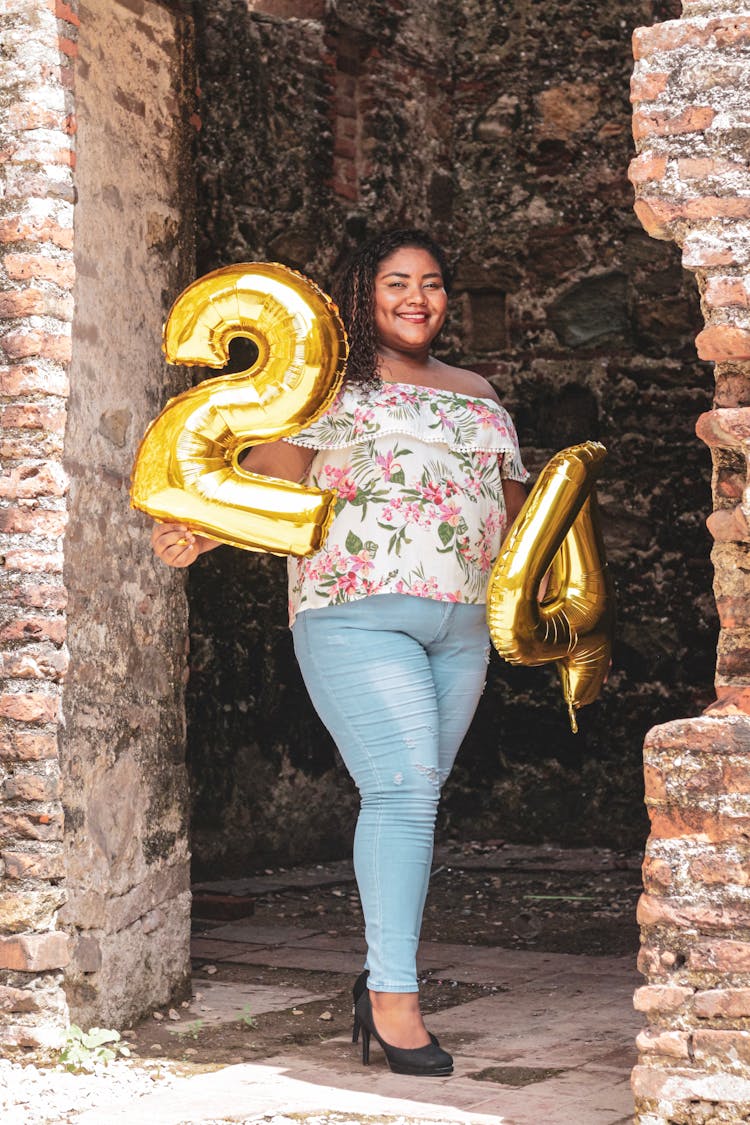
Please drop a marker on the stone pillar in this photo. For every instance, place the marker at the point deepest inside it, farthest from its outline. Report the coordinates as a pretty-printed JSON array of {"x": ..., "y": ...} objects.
[
  {"x": 692, "y": 132},
  {"x": 36, "y": 307},
  {"x": 95, "y": 907}
]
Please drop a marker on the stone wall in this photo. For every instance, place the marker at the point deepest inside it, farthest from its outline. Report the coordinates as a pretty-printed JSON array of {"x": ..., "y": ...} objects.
[
  {"x": 126, "y": 827},
  {"x": 504, "y": 128},
  {"x": 36, "y": 260},
  {"x": 691, "y": 127},
  {"x": 94, "y": 910}
]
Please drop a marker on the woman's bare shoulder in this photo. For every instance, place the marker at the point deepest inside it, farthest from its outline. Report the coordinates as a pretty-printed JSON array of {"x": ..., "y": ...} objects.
[{"x": 466, "y": 382}]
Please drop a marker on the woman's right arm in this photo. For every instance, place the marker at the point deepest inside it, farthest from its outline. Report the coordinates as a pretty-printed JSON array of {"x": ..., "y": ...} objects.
[{"x": 176, "y": 545}]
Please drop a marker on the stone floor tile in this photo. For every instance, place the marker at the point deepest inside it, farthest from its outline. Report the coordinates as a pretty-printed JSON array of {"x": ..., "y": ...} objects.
[
  {"x": 344, "y": 943},
  {"x": 246, "y": 930},
  {"x": 300, "y": 957},
  {"x": 216, "y": 1002},
  {"x": 205, "y": 949}
]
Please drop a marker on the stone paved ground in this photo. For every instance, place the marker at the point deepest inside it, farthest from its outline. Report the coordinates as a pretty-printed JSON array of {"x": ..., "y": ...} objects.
[{"x": 538, "y": 1037}]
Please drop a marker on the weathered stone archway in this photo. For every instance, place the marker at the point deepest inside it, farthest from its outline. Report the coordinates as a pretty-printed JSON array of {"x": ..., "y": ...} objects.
[{"x": 94, "y": 906}]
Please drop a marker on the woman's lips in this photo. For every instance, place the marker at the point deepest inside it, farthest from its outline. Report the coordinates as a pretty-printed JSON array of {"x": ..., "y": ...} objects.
[{"x": 414, "y": 318}]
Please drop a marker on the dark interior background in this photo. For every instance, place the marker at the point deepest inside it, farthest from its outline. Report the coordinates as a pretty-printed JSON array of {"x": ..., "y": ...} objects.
[{"x": 502, "y": 126}]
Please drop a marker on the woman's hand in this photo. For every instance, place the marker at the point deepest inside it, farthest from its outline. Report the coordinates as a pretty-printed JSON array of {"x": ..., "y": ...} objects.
[{"x": 176, "y": 545}]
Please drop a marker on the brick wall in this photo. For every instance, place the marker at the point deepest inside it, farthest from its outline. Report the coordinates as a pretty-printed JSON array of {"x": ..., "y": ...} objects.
[
  {"x": 36, "y": 307},
  {"x": 94, "y": 904},
  {"x": 692, "y": 131}
]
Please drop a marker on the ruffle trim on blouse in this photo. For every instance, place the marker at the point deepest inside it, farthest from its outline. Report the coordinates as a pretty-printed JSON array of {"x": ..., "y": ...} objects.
[{"x": 464, "y": 423}]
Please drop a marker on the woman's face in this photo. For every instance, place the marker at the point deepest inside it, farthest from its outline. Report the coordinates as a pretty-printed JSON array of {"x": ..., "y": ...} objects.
[{"x": 410, "y": 300}]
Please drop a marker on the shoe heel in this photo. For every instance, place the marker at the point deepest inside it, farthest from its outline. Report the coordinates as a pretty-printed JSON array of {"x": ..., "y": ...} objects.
[
  {"x": 355, "y": 1028},
  {"x": 365, "y": 1046}
]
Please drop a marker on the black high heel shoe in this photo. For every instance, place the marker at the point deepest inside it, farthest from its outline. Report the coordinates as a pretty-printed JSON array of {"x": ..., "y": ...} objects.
[
  {"x": 360, "y": 986},
  {"x": 424, "y": 1062}
]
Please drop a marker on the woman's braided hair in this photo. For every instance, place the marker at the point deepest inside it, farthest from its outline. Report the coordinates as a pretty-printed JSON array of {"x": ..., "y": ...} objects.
[{"x": 355, "y": 294}]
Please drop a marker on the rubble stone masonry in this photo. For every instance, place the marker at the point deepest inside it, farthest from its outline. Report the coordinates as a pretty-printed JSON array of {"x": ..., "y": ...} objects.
[{"x": 691, "y": 124}]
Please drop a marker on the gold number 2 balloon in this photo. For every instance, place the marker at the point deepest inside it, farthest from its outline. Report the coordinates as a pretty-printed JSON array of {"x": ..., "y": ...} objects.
[
  {"x": 557, "y": 527},
  {"x": 187, "y": 467}
]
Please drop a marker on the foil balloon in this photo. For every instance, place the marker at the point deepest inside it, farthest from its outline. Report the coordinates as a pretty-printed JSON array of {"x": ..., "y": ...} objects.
[
  {"x": 557, "y": 530},
  {"x": 187, "y": 468}
]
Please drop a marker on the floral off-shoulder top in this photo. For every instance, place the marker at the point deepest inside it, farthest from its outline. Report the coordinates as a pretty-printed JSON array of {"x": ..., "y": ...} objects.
[{"x": 420, "y": 506}]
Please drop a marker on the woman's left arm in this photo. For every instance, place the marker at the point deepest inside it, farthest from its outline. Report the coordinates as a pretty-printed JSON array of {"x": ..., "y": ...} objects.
[{"x": 514, "y": 494}]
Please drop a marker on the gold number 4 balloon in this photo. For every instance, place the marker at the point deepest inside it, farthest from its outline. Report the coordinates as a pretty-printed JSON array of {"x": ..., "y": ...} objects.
[
  {"x": 557, "y": 528},
  {"x": 187, "y": 467}
]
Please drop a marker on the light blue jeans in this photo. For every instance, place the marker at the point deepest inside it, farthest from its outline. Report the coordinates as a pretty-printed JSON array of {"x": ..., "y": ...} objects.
[{"x": 396, "y": 680}]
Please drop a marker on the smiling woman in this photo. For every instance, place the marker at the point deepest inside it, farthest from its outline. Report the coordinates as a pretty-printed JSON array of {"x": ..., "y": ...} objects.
[{"x": 389, "y": 616}]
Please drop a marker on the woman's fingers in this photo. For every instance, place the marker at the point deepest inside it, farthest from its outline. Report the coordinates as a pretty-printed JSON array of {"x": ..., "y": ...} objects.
[{"x": 175, "y": 544}]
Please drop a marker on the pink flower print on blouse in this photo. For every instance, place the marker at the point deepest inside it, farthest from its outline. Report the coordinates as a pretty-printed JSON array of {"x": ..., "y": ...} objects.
[
  {"x": 341, "y": 481},
  {"x": 450, "y": 513},
  {"x": 398, "y": 396},
  {"x": 362, "y": 418},
  {"x": 388, "y": 465},
  {"x": 444, "y": 416},
  {"x": 487, "y": 413},
  {"x": 432, "y": 492}
]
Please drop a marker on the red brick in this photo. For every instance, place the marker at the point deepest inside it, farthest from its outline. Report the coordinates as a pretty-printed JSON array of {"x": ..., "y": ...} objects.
[
  {"x": 32, "y": 787},
  {"x": 720, "y": 955},
  {"x": 655, "y": 911},
  {"x": 27, "y": 746},
  {"x": 32, "y": 865},
  {"x": 34, "y": 953},
  {"x": 344, "y": 190},
  {"x": 726, "y": 1047},
  {"x": 731, "y": 32},
  {"x": 670, "y": 824},
  {"x": 701, "y": 167},
  {"x": 647, "y": 167},
  {"x": 29, "y": 378},
  {"x": 36, "y": 302},
  {"x": 700, "y": 252},
  {"x": 65, "y": 12},
  {"x": 19, "y": 999},
  {"x": 38, "y": 596},
  {"x": 721, "y": 342},
  {"x": 32, "y": 521},
  {"x": 24, "y": 267},
  {"x": 40, "y": 664},
  {"x": 32, "y": 417},
  {"x": 655, "y": 781},
  {"x": 33, "y": 627},
  {"x": 731, "y": 700},
  {"x": 672, "y": 1044},
  {"x": 30, "y": 707},
  {"x": 34, "y": 562},
  {"x": 668, "y": 36},
  {"x": 68, "y": 47},
  {"x": 19, "y": 229},
  {"x": 726, "y": 292},
  {"x": 657, "y": 874},
  {"x": 657, "y": 999},
  {"x": 723, "y": 1003},
  {"x": 25, "y": 115},
  {"x": 647, "y": 86},
  {"x": 25, "y": 342},
  {"x": 663, "y": 123},
  {"x": 44, "y": 478},
  {"x": 719, "y": 869},
  {"x": 16, "y": 826},
  {"x": 699, "y": 735}
]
